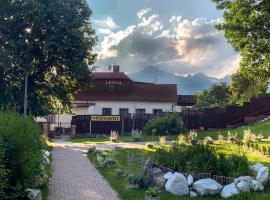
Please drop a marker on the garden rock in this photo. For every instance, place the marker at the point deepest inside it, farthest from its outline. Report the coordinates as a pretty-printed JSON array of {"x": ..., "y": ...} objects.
[
  {"x": 246, "y": 179},
  {"x": 229, "y": 191},
  {"x": 46, "y": 153},
  {"x": 46, "y": 160},
  {"x": 243, "y": 186},
  {"x": 255, "y": 168},
  {"x": 154, "y": 177},
  {"x": 193, "y": 194},
  {"x": 190, "y": 180},
  {"x": 159, "y": 181},
  {"x": 256, "y": 185},
  {"x": 177, "y": 185},
  {"x": 168, "y": 175},
  {"x": 262, "y": 175},
  {"x": 33, "y": 194},
  {"x": 207, "y": 187}
]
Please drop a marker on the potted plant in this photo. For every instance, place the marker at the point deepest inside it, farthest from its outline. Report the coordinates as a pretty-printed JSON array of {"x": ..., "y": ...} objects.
[{"x": 153, "y": 193}]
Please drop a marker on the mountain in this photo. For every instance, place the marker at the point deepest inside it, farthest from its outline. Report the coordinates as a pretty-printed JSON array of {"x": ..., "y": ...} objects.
[{"x": 186, "y": 85}]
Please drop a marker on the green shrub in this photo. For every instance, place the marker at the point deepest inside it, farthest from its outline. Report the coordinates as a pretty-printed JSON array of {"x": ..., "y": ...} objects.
[
  {"x": 170, "y": 124},
  {"x": 153, "y": 192},
  {"x": 23, "y": 144},
  {"x": 3, "y": 171},
  {"x": 135, "y": 168},
  {"x": 200, "y": 158}
]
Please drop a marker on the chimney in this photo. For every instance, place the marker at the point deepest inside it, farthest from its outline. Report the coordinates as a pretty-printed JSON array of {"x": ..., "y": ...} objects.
[{"x": 116, "y": 69}]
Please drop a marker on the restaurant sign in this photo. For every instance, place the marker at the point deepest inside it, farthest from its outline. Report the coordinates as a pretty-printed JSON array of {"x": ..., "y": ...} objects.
[{"x": 105, "y": 118}]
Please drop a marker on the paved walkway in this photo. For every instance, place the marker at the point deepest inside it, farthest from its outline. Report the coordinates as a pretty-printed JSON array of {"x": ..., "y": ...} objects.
[{"x": 74, "y": 177}]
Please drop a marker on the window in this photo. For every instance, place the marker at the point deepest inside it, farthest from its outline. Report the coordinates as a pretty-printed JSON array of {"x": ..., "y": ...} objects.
[
  {"x": 106, "y": 111},
  {"x": 123, "y": 111},
  {"x": 157, "y": 111},
  {"x": 140, "y": 111}
]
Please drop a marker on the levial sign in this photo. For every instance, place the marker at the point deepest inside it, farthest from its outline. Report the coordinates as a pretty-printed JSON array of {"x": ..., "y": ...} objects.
[
  {"x": 105, "y": 118},
  {"x": 113, "y": 82}
]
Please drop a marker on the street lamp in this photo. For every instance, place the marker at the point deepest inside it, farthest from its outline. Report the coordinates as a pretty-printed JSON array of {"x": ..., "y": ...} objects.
[{"x": 25, "y": 95}]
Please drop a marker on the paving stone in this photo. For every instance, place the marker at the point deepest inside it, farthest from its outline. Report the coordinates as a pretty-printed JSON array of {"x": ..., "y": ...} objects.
[{"x": 75, "y": 178}]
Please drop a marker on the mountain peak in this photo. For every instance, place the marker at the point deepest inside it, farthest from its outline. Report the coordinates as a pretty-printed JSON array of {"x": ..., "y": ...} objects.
[{"x": 190, "y": 84}]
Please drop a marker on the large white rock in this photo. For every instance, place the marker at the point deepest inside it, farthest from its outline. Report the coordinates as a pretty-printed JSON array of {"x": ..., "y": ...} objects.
[
  {"x": 229, "y": 191},
  {"x": 33, "y": 194},
  {"x": 262, "y": 175},
  {"x": 207, "y": 187},
  {"x": 193, "y": 194},
  {"x": 168, "y": 175},
  {"x": 256, "y": 185},
  {"x": 190, "y": 180},
  {"x": 177, "y": 185},
  {"x": 255, "y": 168},
  {"x": 243, "y": 186},
  {"x": 246, "y": 179}
]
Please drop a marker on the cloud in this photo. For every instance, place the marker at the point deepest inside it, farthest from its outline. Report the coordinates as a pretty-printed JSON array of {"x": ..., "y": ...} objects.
[
  {"x": 106, "y": 23},
  {"x": 142, "y": 12},
  {"x": 177, "y": 45}
]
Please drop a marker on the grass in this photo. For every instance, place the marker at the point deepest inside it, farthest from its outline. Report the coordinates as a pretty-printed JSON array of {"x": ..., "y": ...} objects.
[
  {"x": 119, "y": 184},
  {"x": 257, "y": 128}
]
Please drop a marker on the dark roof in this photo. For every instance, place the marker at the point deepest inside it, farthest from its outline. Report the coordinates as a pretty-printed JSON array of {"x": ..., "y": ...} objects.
[
  {"x": 110, "y": 75},
  {"x": 138, "y": 91}
]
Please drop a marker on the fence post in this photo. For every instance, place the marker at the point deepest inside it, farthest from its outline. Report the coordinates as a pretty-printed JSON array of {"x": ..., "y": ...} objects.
[{"x": 122, "y": 132}]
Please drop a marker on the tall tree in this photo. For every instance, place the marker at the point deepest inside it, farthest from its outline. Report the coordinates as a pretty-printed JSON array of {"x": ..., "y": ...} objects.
[
  {"x": 51, "y": 41},
  {"x": 246, "y": 25},
  {"x": 216, "y": 95}
]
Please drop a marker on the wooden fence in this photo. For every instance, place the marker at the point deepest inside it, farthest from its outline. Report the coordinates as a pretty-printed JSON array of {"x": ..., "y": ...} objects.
[{"x": 204, "y": 118}]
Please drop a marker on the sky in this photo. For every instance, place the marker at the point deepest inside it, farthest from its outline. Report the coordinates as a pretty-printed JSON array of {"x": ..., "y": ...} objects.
[{"x": 178, "y": 36}]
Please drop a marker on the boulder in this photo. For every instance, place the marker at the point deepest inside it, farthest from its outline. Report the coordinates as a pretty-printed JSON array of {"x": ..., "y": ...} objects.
[
  {"x": 246, "y": 179},
  {"x": 229, "y": 191},
  {"x": 154, "y": 177},
  {"x": 256, "y": 185},
  {"x": 33, "y": 194},
  {"x": 177, "y": 185},
  {"x": 168, "y": 175},
  {"x": 243, "y": 186},
  {"x": 158, "y": 181},
  {"x": 207, "y": 187},
  {"x": 262, "y": 175},
  {"x": 190, "y": 180},
  {"x": 193, "y": 194},
  {"x": 255, "y": 168}
]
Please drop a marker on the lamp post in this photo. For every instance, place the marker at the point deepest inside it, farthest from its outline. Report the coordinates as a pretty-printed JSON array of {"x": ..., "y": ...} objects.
[{"x": 25, "y": 95}]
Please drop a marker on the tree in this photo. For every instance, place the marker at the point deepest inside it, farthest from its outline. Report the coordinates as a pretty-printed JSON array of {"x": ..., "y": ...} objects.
[
  {"x": 216, "y": 95},
  {"x": 246, "y": 25},
  {"x": 51, "y": 41},
  {"x": 244, "y": 87}
]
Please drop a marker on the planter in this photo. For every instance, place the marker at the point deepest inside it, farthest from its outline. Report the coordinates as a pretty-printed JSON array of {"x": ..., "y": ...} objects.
[
  {"x": 150, "y": 146},
  {"x": 152, "y": 198}
]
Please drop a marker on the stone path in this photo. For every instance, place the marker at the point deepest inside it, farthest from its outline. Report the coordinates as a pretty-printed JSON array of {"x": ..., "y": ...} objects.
[{"x": 74, "y": 177}]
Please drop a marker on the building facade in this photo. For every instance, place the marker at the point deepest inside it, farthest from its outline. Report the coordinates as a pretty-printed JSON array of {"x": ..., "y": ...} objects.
[{"x": 114, "y": 93}]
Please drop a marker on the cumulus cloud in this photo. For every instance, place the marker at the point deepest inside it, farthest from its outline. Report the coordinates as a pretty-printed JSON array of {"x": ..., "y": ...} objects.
[
  {"x": 177, "y": 45},
  {"x": 107, "y": 23},
  {"x": 142, "y": 12}
]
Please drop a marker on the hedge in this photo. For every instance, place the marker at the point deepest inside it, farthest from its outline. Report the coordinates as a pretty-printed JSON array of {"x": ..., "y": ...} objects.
[{"x": 20, "y": 154}]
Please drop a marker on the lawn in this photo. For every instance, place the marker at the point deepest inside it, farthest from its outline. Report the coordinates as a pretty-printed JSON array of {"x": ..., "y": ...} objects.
[
  {"x": 257, "y": 128},
  {"x": 119, "y": 183}
]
